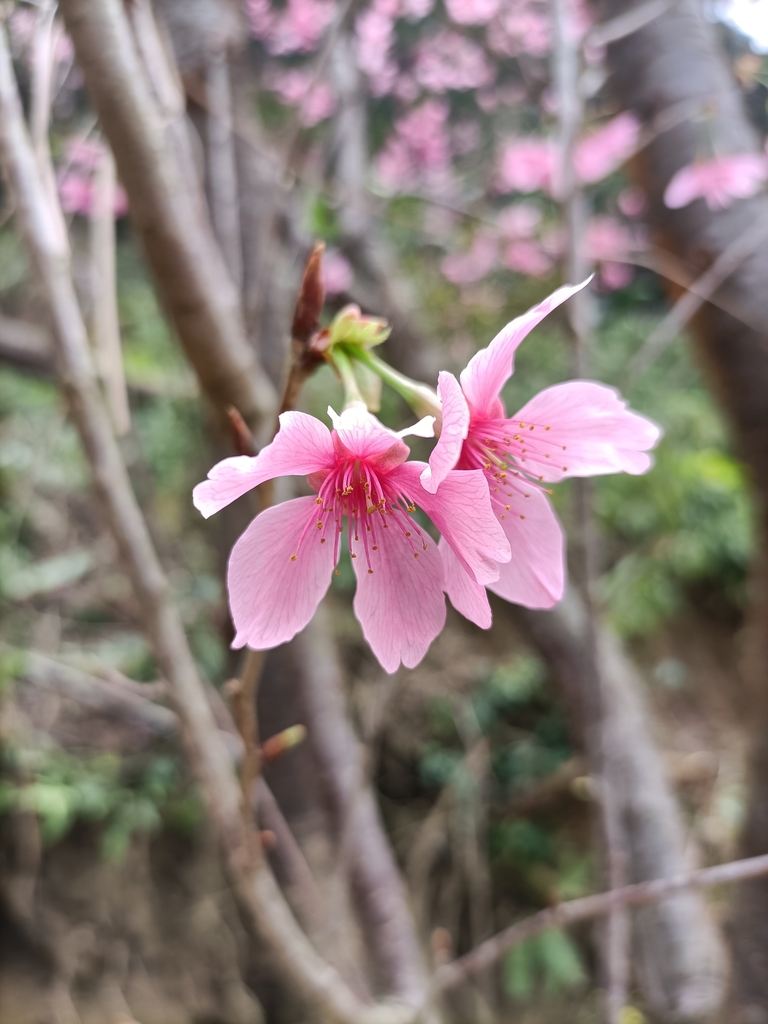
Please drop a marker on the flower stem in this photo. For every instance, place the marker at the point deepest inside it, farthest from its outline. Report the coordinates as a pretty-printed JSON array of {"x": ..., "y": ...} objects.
[
  {"x": 421, "y": 398},
  {"x": 343, "y": 366}
]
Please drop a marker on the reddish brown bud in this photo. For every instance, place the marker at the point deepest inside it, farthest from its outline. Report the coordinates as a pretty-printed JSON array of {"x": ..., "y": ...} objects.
[
  {"x": 311, "y": 299},
  {"x": 277, "y": 745}
]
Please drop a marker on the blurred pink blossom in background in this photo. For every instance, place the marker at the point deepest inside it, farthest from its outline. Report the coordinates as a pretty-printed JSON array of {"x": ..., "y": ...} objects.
[
  {"x": 522, "y": 29},
  {"x": 471, "y": 266},
  {"x": 471, "y": 12},
  {"x": 297, "y": 28},
  {"x": 75, "y": 179},
  {"x": 717, "y": 181},
  {"x": 374, "y": 39},
  {"x": 337, "y": 272},
  {"x": 526, "y": 165},
  {"x": 527, "y": 257},
  {"x": 632, "y": 201},
  {"x": 604, "y": 150},
  {"x": 610, "y": 244},
  {"x": 451, "y": 61},
  {"x": 297, "y": 87},
  {"x": 417, "y": 153}
]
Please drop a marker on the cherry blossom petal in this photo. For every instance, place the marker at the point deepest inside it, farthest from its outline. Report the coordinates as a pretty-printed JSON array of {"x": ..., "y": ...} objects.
[
  {"x": 364, "y": 437},
  {"x": 462, "y": 513},
  {"x": 585, "y": 429},
  {"x": 400, "y": 604},
  {"x": 466, "y": 596},
  {"x": 301, "y": 446},
  {"x": 488, "y": 371},
  {"x": 425, "y": 427},
  {"x": 535, "y": 575},
  {"x": 272, "y": 594},
  {"x": 455, "y": 427}
]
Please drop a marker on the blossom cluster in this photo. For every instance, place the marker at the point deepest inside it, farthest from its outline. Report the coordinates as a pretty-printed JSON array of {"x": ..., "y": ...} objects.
[{"x": 484, "y": 490}]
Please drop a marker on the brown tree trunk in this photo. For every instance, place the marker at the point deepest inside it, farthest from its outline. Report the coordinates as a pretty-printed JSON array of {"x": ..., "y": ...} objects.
[{"x": 676, "y": 60}]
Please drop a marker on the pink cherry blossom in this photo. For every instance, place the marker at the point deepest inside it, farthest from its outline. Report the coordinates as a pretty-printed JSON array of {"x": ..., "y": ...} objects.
[
  {"x": 526, "y": 165},
  {"x": 451, "y": 61},
  {"x": 281, "y": 567},
  {"x": 604, "y": 150},
  {"x": 472, "y": 12},
  {"x": 575, "y": 429},
  {"x": 717, "y": 181}
]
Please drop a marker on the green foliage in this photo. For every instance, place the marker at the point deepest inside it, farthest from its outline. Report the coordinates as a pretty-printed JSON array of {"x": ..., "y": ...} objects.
[
  {"x": 63, "y": 789},
  {"x": 684, "y": 531},
  {"x": 549, "y": 961}
]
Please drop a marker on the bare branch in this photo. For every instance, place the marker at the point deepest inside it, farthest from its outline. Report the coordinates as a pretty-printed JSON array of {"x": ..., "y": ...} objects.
[
  {"x": 588, "y": 907},
  {"x": 691, "y": 302}
]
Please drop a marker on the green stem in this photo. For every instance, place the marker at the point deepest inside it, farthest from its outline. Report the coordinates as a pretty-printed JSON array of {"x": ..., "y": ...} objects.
[
  {"x": 343, "y": 366},
  {"x": 421, "y": 398},
  {"x": 402, "y": 385}
]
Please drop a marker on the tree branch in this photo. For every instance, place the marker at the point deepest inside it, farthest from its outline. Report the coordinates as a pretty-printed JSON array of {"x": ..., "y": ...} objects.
[
  {"x": 588, "y": 907},
  {"x": 168, "y": 212},
  {"x": 260, "y": 901}
]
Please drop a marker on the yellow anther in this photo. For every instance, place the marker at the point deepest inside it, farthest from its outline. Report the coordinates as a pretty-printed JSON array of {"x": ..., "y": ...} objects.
[
  {"x": 336, "y": 572},
  {"x": 547, "y": 455},
  {"x": 293, "y": 558},
  {"x": 411, "y": 508},
  {"x": 563, "y": 447},
  {"x": 502, "y": 517},
  {"x": 415, "y": 554},
  {"x": 318, "y": 501},
  {"x": 547, "y": 428},
  {"x": 375, "y": 547},
  {"x": 424, "y": 547},
  {"x": 531, "y": 426},
  {"x": 565, "y": 469},
  {"x": 353, "y": 556},
  {"x": 370, "y": 572},
  {"x": 371, "y": 509},
  {"x": 522, "y": 517},
  {"x": 407, "y": 533},
  {"x": 322, "y": 540},
  {"x": 507, "y": 507}
]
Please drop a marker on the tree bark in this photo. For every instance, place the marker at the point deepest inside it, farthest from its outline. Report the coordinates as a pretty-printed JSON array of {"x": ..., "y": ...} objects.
[
  {"x": 672, "y": 60},
  {"x": 679, "y": 957},
  {"x": 168, "y": 212}
]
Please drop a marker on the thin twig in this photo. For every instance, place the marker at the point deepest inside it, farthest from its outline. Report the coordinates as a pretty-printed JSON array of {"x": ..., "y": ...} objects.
[
  {"x": 588, "y": 907},
  {"x": 694, "y": 298}
]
